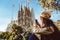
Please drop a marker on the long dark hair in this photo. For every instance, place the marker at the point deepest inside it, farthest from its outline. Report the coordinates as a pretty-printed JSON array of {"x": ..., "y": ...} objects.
[
  {"x": 49, "y": 22},
  {"x": 37, "y": 23}
]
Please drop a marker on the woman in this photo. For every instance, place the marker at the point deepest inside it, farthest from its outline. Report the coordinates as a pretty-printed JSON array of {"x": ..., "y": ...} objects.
[
  {"x": 37, "y": 30},
  {"x": 46, "y": 22}
]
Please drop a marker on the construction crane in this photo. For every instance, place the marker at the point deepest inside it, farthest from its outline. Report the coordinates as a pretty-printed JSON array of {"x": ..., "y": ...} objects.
[
  {"x": 28, "y": 1},
  {"x": 12, "y": 11}
]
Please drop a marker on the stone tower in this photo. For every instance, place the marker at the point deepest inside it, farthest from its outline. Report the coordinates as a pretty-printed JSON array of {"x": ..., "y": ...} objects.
[
  {"x": 25, "y": 17},
  {"x": 20, "y": 16}
]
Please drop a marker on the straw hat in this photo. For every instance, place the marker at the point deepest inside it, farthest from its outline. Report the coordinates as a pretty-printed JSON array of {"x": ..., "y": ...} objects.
[{"x": 45, "y": 14}]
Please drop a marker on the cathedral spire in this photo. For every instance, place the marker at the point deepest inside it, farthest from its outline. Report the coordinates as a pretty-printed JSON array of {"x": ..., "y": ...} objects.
[
  {"x": 12, "y": 18},
  {"x": 19, "y": 7}
]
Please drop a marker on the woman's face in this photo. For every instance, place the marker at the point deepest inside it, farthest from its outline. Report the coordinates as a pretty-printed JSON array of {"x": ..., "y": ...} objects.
[{"x": 41, "y": 18}]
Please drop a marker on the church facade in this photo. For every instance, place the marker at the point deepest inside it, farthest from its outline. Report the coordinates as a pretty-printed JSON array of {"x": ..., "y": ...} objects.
[{"x": 25, "y": 17}]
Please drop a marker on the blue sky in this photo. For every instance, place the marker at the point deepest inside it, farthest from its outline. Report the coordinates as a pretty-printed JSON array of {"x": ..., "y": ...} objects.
[{"x": 6, "y": 11}]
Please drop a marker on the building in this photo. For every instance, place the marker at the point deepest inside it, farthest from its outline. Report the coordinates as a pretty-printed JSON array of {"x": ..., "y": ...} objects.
[
  {"x": 9, "y": 27},
  {"x": 25, "y": 17}
]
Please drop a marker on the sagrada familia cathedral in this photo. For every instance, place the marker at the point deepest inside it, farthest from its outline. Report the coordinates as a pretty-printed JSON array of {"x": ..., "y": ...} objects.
[{"x": 25, "y": 18}]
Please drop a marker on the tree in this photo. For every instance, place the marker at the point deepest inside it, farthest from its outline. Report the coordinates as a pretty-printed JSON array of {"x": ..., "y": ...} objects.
[
  {"x": 50, "y": 4},
  {"x": 17, "y": 29},
  {"x": 5, "y": 35}
]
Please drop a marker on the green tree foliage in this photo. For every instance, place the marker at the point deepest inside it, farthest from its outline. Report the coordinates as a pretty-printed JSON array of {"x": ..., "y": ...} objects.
[
  {"x": 9, "y": 36},
  {"x": 50, "y": 4},
  {"x": 17, "y": 29},
  {"x": 5, "y": 35}
]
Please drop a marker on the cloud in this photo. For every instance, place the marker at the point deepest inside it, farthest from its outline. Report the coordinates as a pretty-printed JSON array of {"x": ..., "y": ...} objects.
[
  {"x": 3, "y": 23},
  {"x": 5, "y": 17},
  {"x": 3, "y": 28}
]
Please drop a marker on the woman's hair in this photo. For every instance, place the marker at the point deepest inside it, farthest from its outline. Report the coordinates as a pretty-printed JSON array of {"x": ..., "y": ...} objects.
[
  {"x": 49, "y": 22},
  {"x": 36, "y": 20},
  {"x": 37, "y": 23}
]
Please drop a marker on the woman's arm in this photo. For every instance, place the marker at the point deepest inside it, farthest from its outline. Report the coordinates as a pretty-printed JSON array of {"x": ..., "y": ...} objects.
[
  {"x": 39, "y": 30},
  {"x": 50, "y": 29},
  {"x": 46, "y": 30}
]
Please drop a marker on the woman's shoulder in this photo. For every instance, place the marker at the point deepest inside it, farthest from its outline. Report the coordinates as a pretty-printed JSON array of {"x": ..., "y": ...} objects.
[{"x": 49, "y": 21}]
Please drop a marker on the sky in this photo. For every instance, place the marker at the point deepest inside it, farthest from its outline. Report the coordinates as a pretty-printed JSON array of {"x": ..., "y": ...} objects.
[{"x": 6, "y": 11}]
